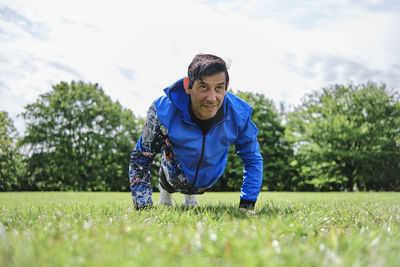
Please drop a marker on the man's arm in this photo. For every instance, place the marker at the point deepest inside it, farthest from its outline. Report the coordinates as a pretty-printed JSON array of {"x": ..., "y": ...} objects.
[
  {"x": 148, "y": 145},
  {"x": 248, "y": 149}
]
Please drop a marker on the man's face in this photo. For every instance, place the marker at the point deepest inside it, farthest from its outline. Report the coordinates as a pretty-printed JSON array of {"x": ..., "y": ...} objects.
[{"x": 207, "y": 95}]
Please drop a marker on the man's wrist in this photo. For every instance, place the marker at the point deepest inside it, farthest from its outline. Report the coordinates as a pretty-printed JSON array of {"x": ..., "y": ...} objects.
[{"x": 247, "y": 204}]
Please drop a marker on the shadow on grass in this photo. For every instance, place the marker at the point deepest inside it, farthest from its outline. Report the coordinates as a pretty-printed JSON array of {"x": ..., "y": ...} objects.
[{"x": 229, "y": 210}]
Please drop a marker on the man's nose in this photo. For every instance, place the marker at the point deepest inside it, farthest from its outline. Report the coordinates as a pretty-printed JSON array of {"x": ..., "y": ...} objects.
[{"x": 211, "y": 95}]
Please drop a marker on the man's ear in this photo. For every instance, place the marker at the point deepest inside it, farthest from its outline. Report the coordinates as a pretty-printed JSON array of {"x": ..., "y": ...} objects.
[
  {"x": 227, "y": 85},
  {"x": 186, "y": 85}
]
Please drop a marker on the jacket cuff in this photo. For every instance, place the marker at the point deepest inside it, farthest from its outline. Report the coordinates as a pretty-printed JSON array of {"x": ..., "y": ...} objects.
[{"x": 247, "y": 204}]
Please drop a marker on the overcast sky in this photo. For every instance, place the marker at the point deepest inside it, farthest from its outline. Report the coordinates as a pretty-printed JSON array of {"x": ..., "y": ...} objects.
[{"x": 134, "y": 49}]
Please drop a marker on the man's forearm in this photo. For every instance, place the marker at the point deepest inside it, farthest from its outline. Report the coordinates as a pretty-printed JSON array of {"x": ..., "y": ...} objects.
[
  {"x": 140, "y": 179},
  {"x": 149, "y": 143}
]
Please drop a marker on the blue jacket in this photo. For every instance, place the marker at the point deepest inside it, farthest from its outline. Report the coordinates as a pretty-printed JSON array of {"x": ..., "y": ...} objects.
[{"x": 191, "y": 146}]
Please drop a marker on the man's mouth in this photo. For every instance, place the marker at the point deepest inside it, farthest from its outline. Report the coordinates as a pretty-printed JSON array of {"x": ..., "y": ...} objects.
[{"x": 210, "y": 106}]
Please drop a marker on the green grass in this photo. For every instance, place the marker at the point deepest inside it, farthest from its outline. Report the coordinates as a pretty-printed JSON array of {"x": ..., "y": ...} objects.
[{"x": 290, "y": 229}]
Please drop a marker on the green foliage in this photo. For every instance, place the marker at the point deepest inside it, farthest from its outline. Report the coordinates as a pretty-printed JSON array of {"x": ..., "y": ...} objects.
[
  {"x": 289, "y": 229},
  {"x": 11, "y": 169},
  {"x": 275, "y": 150},
  {"x": 347, "y": 136},
  {"x": 78, "y": 139}
]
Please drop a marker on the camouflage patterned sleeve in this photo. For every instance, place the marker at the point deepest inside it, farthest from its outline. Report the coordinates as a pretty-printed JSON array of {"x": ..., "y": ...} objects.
[{"x": 148, "y": 145}]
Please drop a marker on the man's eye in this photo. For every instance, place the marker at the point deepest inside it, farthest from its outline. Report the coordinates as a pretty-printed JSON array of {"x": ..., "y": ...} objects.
[
  {"x": 203, "y": 87},
  {"x": 220, "y": 88}
]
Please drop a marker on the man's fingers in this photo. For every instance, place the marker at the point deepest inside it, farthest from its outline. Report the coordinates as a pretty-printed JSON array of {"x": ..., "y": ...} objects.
[{"x": 251, "y": 212}]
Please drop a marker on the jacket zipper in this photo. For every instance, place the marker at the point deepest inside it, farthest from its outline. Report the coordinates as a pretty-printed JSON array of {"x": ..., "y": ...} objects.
[
  {"x": 198, "y": 165},
  {"x": 202, "y": 155},
  {"x": 204, "y": 140}
]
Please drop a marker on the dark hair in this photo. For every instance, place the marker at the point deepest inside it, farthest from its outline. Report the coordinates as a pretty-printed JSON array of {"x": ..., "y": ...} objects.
[{"x": 206, "y": 65}]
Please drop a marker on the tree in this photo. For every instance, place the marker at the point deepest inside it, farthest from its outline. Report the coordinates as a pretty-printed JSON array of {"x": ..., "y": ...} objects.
[
  {"x": 348, "y": 136},
  {"x": 276, "y": 151},
  {"x": 78, "y": 139},
  {"x": 10, "y": 159}
]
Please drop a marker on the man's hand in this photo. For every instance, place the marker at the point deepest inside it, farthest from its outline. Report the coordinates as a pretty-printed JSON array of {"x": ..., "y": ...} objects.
[
  {"x": 250, "y": 212},
  {"x": 246, "y": 204}
]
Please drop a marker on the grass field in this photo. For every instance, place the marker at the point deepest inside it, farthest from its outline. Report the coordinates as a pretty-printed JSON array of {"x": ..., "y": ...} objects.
[{"x": 289, "y": 229}]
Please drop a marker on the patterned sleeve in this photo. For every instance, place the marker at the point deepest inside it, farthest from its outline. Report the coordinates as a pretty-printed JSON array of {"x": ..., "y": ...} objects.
[{"x": 148, "y": 145}]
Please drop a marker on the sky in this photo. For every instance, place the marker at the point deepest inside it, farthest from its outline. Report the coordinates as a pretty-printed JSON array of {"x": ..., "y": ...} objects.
[{"x": 134, "y": 49}]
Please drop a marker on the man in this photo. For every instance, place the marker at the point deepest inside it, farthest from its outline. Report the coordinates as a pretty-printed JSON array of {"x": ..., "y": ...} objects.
[{"x": 193, "y": 125}]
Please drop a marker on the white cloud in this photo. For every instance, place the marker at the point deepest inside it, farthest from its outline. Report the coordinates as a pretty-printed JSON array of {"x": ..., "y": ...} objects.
[{"x": 279, "y": 48}]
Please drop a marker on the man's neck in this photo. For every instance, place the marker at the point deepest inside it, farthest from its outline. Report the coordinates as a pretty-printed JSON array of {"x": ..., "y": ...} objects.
[{"x": 205, "y": 125}]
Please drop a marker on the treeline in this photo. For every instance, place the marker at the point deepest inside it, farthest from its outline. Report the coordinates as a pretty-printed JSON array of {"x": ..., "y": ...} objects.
[{"x": 344, "y": 137}]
